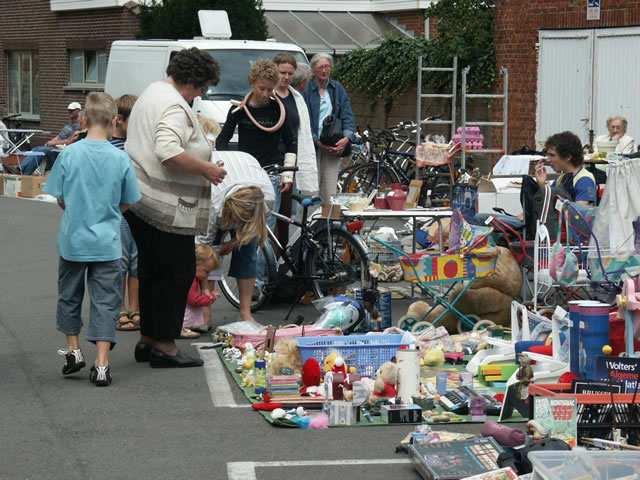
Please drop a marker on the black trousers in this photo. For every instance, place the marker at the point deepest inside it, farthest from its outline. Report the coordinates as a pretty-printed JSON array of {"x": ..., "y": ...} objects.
[{"x": 166, "y": 269}]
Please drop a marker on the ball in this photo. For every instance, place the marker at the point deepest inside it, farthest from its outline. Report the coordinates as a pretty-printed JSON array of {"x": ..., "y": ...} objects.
[{"x": 607, "y": 350}]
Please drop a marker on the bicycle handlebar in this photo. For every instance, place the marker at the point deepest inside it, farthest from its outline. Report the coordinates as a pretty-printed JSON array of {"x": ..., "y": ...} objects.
[{"x": 278, "y": 169}]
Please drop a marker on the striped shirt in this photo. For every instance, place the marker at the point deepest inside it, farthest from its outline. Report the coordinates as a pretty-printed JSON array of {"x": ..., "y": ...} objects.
[{"x": 117, "y": 142}]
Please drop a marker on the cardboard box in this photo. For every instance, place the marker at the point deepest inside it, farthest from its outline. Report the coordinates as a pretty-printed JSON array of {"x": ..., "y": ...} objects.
[
  {"x": 11, "y": 185},
  {"x": 401, "y": 414},
  {"x": 341, "y": 413},
  {"x": 31, "y": 185},
  {"x": 333, "y": 211}
]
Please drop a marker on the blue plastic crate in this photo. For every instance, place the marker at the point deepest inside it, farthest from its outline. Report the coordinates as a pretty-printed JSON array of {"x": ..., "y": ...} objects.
[{"x": 365, "y": 352}]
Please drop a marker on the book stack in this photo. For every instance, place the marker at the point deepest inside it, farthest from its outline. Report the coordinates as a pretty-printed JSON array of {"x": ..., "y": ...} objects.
[
  {"x": 283, "y": 385},
  {"x": 497, "y": 372}
]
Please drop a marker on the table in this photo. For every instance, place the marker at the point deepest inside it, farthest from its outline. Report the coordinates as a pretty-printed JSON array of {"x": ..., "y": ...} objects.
[{"x": 434, "y": 214}]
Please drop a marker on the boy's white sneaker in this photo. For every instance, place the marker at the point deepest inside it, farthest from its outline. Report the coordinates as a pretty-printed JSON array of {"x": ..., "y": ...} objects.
[
  {"x": 100, "y": 376},
  {"x": 75, "y": 360}
]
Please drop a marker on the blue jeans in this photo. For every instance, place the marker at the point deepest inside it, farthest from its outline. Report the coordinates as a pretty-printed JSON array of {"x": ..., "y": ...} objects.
[
  {"x": 104, "y": 280},
  {"x": 31, "y": 162}
]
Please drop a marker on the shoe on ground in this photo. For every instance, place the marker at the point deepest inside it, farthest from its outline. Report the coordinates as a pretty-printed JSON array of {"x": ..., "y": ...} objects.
[
  {"x": 100, "y": 376},
  {"x": 142, "y": 352},
  {"x": 75, "y": 361},
  {"x": 160, "y": 359},
  {"x": 188, "y": 334},
  {"x": 201, "y": 329}
]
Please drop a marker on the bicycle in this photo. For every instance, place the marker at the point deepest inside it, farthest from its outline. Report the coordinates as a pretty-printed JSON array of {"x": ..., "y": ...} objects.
[
  {"x": 380, "y": 165},
  {"x": 325, "y": 258}
]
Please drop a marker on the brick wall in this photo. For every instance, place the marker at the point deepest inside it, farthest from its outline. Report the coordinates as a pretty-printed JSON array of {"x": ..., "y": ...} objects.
[
  {"x": 411, "y": 20},
  {"x": 516, "y": 34},
  {"x": 31, "y": 25}
]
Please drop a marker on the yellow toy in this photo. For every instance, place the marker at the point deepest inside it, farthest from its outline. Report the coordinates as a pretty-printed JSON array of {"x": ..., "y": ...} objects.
[
  {"x": 330, "y": 361},
  {"x": 434, "y": 357}
]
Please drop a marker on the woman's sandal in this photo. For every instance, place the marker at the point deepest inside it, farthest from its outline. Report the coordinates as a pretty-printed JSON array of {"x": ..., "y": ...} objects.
[
  {"x": 135, "y": 319},
  {"x": 126, "y": 324},
  {"x": 188, "y": 334},
  {"x": 201, "y": 329}
]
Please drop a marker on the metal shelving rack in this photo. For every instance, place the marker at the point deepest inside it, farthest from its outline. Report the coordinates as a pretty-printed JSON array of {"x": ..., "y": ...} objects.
[
  {"x": 421, "y": 96},
  {"x": 502, "y": 124}
]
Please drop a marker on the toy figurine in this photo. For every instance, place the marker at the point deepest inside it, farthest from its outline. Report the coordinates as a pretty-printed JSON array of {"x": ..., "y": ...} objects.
[{"x": 524, "y": 376}]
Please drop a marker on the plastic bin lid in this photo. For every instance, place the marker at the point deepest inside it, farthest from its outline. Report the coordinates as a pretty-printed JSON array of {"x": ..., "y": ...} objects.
[{"x": 585, "y": 465}]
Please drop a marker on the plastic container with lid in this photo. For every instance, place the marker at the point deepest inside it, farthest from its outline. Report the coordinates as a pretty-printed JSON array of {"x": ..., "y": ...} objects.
[{"x": 585, "y": 465}]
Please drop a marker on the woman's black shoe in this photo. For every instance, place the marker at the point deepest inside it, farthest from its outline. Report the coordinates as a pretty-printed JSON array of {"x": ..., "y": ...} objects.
[
  {"x": 159, "y": 359},
  {"x": 142, "y": 352}
]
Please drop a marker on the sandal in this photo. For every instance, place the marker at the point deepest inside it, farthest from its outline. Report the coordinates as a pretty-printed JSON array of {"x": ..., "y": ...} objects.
[
  {"x": 201, "y": 329},
  {"x": 135, "y": 319},
  {"x": 188, "y": 334},
  {"x": 125, "y": 324}
]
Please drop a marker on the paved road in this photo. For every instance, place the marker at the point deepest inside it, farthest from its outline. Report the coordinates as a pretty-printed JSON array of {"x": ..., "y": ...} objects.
[{"x": 150, "y": 424}]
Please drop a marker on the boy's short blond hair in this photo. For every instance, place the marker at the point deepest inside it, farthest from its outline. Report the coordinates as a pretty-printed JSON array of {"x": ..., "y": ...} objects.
[
  {"x": 264, "y": 70},
  {"x": 124, "y": 105},
  {"x": 100, "y": 108},
  {"x": 204, "y": 254}
]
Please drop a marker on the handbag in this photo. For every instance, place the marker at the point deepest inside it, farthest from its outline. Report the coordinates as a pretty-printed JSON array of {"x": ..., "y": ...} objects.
[{"x": 331, "y": 131}]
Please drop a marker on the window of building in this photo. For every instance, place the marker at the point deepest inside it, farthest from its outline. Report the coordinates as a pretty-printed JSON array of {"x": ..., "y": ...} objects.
[
  {"x": 87, "y": 67},
  {"x": 24, "y": 83}
]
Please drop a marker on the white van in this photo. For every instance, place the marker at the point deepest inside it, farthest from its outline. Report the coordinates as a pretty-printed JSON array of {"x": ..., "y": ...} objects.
[{"x": 134, "y": 64}]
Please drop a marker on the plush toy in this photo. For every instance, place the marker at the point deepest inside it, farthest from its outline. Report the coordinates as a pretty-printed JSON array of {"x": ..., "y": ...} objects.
[
  {"x": 339, "y": 366},
  {"x": 386, "y": 381},
  {"x": 416, "y": 312},
  {"x": 330, "y": 360},
  {"x": 285, "y": 359},
  {"x": 434, "y": 357},
  {"x": 311, "y": 377}
]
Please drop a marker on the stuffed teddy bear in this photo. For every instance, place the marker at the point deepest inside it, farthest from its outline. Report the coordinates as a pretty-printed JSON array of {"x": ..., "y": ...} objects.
[
  {"x": 286, "y": 358},
  {"x": 386, "y": 382}
]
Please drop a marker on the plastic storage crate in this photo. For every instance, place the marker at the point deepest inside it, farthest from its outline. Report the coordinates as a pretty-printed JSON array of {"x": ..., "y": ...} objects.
[
  {"x": 579, "y": 465},
  {"x": 365, "y": 352}
]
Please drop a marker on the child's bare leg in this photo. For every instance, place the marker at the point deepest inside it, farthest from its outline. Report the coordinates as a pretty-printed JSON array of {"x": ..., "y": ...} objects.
[
  {"x": 133, "y": 288},
  {"x": 245, "y": 290},
  {"x": 73, "y": 342},
  {"x": 102, "y": 357}
]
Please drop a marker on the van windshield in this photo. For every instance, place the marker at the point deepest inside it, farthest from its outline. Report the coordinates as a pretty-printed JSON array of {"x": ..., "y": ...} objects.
[{"x": 234, "y": 70}]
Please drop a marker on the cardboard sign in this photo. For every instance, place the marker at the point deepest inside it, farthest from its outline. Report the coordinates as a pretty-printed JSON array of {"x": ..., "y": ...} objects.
[
  {"x": 595, "y": 387},
  {"x": 558, "y": 416},
  {"x": 623, "y": 371},
  {"x": 593, "y": 9}
]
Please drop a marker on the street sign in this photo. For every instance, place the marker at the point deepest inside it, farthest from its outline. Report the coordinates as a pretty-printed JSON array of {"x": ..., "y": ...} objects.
[{"x": 593, "y": 9}]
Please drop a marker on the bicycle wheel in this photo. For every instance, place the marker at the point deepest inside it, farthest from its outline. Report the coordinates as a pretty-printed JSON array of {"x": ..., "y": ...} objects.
[
  {"x": 267, "y": 277},
  {"x": 338, "y": 263},
  {"x": 365, "y": 179}
]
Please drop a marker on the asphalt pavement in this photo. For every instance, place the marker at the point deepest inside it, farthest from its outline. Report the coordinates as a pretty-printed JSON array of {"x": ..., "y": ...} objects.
[{"x": 150, "y": 424}]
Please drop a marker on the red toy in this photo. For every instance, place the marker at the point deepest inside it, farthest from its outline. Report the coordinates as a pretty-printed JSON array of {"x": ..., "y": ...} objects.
[{"x": 311, "y": 375}]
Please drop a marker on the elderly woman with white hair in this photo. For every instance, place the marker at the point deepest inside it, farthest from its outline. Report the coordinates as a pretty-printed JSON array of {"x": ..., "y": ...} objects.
[
  {"x": 617, "y": 127},
  {"x": 328, "y": 100}
]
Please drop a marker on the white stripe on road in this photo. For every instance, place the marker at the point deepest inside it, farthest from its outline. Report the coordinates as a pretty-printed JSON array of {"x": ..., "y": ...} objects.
[
  {"x": 219, "y": 388},
  {"x": 241, "y": 471},
  {"x": 247, "y": 470}
]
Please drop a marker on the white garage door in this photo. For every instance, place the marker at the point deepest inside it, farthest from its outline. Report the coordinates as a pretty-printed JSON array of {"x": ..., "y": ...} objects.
[
  {"x": 585, "y": 76},
  {"x": 564, "y": 83},
  {"x": 617, "y": 78}
]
